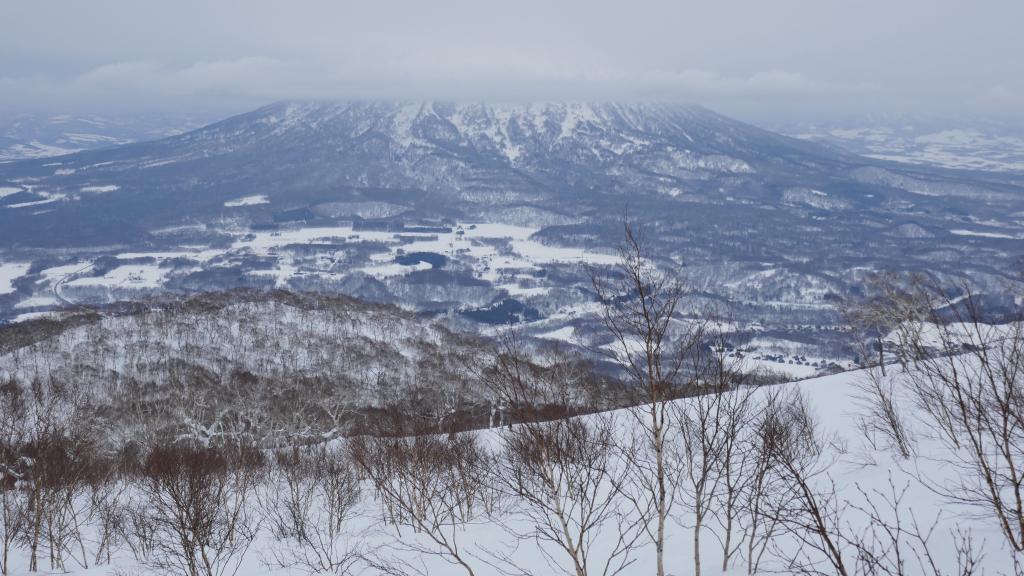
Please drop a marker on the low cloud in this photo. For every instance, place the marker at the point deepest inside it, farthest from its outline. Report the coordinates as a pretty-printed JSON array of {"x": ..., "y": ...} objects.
[
  {"x": 919, "y": 55},
  {"x": 252, "y": 80}
]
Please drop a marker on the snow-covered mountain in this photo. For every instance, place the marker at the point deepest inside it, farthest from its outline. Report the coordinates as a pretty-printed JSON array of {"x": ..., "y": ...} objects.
[
  {"x": 760, "y": 219},
  {"x": 438, "y": 158},
  {"x": 553, "y": 161}
]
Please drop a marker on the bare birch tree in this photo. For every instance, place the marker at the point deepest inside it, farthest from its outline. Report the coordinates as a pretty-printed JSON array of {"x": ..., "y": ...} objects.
[
  {"x": 563, "y": 472},
  {"x": 968, "y": 385},
  {"x": 809, "y": 509},
  {"x": 311, "y": 502},
  {"x": 12, "y": 435},
  {"x": 432, "y": 486},
  {"x": 640, "y": 303}
]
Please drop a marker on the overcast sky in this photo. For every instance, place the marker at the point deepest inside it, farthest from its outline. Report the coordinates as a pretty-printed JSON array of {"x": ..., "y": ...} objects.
[{"x": 752, "y": 58}]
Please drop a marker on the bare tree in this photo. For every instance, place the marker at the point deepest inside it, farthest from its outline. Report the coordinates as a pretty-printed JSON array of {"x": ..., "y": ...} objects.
[
  {"x": 639, "y": 303},
  {"x": 62, "y": 472},
  {"x": 432, "y": 485},
  {"x": 12, "y": 435},
  {"x": 887, "y": 310},
  {"x": 57, "y": 460},
  {"x": 713, "y": 448},
  {"x": 894, "y": 543},
  {"x": 311, "y": 501},
  {"x": 969, "y": 387},
  {"x": 808, "y": 508},
  {"x": 882, "y": 415},
  {"x": 565, "y": 473},
  {"x": 764, "y": 493},
  {"x": 196, "y": 500},
  {"x": 135, "y": 528},
  {"x": 873, "y": 535},
  {"x": 106, "y": 502},
  {"x": 735, "y": 467},
  {"x": 702, "y": 437}
]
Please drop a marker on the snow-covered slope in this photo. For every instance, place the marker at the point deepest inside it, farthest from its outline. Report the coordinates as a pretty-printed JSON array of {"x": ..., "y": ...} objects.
[{"x": 858, "y": 471}]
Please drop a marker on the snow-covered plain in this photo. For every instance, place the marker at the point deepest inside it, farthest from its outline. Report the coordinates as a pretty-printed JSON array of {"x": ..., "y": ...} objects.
[
  {"x": 148, "y": 275},
  {"x": 961, "y": 147},
  {"x": 507, "y": 261},
  {"x": 476, "y": 244},
  {"x": 101, "y": 189},
  {"x": 9, "y": 272},
  {"x": 37, "y": 302},
  {"x": 45, "y": 198},
  {"x": 962, "y": 232},
  {"x": 247, "y": 201}
]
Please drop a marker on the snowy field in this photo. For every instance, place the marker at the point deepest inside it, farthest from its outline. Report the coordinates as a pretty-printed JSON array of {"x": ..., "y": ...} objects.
[
  {"x": 9, "y": 272},
  {"x": 497, "y": 253},
  {"x": 964, "y": 148},
  {"x": 247, "y": 201}
]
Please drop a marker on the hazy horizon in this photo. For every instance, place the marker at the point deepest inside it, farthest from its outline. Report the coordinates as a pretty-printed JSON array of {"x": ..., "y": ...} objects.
[{"x": 758, "y": 61}]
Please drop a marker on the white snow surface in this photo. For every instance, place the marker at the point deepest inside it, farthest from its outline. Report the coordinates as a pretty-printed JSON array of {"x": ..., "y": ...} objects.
[
  {"x": 247, "y": 201},
  {"x": 464, "y": 241},
  {"x": 101, "y": 189},
  {"x": 148, "y": 276},
  {"x": 47, "y": 198},
  {"x": 961, "y": 232},
  {"x": 37, "y": 302},
  {"x": 565, "y": 334},
  {"x": 969, "y": 148},
  {"x": 9, "y": 272}
]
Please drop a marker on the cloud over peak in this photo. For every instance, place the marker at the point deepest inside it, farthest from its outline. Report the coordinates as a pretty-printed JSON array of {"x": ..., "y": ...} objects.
[{"x": 735, "y": 54}]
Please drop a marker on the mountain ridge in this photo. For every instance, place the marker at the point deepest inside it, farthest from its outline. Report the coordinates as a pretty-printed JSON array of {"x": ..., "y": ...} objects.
[
  {"x": 718, "y": 193},
  {"x": 303, "y": 152}
]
